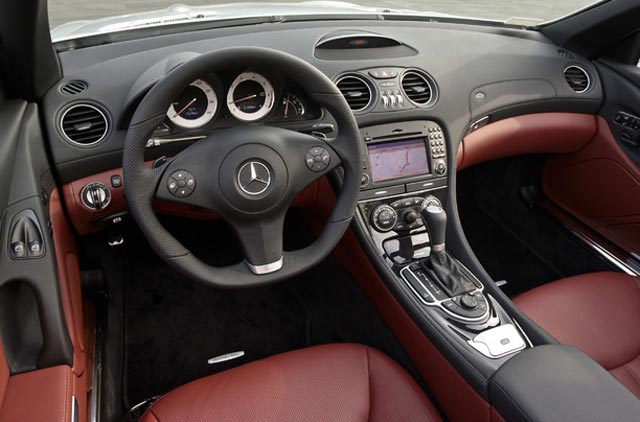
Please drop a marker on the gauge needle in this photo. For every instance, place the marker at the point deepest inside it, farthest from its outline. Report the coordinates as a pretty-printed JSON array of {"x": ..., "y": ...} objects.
[
  {"x": 243, "y": 99},
  {"x": 186, "y": 107},
  {"x": 286, "y": 106}
]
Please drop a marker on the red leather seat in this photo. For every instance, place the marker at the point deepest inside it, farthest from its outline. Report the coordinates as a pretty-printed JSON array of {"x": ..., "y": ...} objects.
[
  {"x": 331, "y": 383},
  {"x": 598, "y": 313}
]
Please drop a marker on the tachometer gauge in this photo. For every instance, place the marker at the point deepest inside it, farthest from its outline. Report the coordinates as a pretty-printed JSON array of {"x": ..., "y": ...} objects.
[
  {"x": 250, "y": 97},
  {"x": 291, "y": 106},
  {"x": 195, "y": 106}
]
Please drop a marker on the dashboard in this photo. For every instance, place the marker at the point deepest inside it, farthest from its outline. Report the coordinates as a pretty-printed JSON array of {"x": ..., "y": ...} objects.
[{"x": 454, "y": 75}]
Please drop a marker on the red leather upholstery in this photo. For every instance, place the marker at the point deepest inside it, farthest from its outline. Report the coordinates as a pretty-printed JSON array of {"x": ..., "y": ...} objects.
[
  {"x": 599, "y": 313},
  {"x": 330, "y": 383}
]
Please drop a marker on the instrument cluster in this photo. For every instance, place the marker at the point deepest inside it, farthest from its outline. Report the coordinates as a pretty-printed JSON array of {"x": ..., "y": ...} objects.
[{"x": 250, "y": 96}]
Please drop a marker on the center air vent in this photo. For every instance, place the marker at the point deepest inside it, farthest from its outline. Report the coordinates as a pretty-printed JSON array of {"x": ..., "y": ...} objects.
[
  {"x": 84, "y": 124},
  {"x": 577, "y": 78},
  {"x": 417, "y": 87},
  {"x": 356, "y": 91}
]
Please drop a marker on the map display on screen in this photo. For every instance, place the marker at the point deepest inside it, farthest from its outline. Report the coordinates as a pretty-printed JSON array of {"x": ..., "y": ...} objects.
[{"x": 396, "y": 159}]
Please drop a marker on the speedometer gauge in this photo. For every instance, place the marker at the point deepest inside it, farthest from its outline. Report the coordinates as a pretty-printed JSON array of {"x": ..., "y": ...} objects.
[
  {"x": 195, "y": 106},
  {"x": 250, "y": 97}
]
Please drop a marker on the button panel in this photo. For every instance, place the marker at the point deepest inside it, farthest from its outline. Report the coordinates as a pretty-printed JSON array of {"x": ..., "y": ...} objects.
[
  {"x": 627, "y": 120},
  {"x": 317, "y": 159},
  {"x": 408, "y": 211},
  {"x": 181, "y": 184},
  {"x": 436, "y": 142}
]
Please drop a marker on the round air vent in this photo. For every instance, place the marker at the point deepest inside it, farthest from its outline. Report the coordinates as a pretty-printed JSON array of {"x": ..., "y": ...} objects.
[
  {"x": 84, "y": 124},
  {"x": 577, "y": 78},
  {"x": 73, "y": 87},
  {"x": 356, "y": 91},
  {"x": 417, "y": 87}
]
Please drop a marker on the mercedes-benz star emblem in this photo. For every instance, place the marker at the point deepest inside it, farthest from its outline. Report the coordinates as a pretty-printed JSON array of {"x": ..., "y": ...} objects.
[{"x": 254, "y": 178}]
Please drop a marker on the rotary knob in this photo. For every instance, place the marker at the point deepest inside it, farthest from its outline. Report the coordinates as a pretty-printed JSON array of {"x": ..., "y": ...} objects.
[
  {"x": 384, "y": 218},
  {"x": 411, "y": 217},
  {"x": 469, "y": 301},
  {"x": 440, "y": 167},
  {"x": 95, "y": 196}
]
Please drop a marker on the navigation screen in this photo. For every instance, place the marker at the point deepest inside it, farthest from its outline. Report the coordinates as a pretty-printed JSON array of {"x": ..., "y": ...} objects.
[{"x": 392, "y": 160}]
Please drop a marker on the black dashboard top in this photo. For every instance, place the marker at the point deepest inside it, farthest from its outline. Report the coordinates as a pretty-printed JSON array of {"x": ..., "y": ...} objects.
[{"x": 474, "y": 71}]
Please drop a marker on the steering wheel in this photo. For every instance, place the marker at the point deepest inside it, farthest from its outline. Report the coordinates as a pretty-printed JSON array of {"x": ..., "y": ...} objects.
[{"x": 248, "y": 175}]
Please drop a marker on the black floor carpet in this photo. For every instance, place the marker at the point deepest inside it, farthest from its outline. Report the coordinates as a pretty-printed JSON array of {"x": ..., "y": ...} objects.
[
  {"x": 513, "y": 241},
  {"x": 173, "y": 326}
]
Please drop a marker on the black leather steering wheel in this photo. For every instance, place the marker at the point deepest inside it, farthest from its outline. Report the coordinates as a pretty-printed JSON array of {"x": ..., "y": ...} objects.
[{"x": 248, "y": 174}]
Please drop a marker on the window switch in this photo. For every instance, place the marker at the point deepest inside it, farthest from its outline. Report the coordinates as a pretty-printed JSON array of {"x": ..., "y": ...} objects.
[
  {"x": 35, "y": 249},
  {"x": 18, "y": 250}
]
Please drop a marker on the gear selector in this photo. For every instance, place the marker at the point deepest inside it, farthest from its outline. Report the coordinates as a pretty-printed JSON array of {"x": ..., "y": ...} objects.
[{"x": 442, "y": 268}]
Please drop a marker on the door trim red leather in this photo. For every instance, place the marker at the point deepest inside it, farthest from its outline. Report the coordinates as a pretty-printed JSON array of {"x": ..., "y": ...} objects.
[{"x": 600, "y": 186}]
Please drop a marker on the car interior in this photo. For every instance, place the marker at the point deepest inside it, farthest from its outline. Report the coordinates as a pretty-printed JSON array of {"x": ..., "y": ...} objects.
[{"x": 309, "y": 214}]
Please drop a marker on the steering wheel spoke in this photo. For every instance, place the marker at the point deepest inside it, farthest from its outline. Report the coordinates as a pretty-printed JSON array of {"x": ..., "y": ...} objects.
[{"x": 261, "y": 241}]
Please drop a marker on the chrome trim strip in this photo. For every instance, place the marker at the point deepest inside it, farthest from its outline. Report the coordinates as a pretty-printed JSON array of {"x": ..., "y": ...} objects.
[
  {"x": 605, "y": 253},
  {"x": 225, "y": 358},
  {"x": 75, "y": 411},
  {"x": 271, "y": 267},
  {"x": 438, "y": 248},
  {"x": 526, "y": 337}
]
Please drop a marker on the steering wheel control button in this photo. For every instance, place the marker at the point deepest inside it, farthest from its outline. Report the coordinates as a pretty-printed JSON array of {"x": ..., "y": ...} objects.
[
  {"x": 254, "y": 178},
  {"x": 317, "y": 159},
  {"x": 181, "y": 183}
]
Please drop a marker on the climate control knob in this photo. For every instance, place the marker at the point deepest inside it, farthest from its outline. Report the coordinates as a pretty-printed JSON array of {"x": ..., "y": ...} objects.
[
  {"x": 384, "y": 218},
  {"x": 411, "y": 217}
]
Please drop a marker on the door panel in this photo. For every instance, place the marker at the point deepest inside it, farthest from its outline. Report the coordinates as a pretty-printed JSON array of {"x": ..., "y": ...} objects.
[
  {"x": 32, "y": 323},
  {"x": 600, "y": 184}
]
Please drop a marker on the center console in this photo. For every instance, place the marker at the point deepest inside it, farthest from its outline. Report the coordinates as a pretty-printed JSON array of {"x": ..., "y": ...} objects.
[{"x": 402, "y": 206}]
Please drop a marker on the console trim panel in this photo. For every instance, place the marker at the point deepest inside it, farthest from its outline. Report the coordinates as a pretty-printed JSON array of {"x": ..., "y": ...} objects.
[{"x": 438, "y": 303}]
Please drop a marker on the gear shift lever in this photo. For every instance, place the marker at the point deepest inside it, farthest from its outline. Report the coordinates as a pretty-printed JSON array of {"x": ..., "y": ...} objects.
[
  {"x": 435, "y": 218},
  {"x": 441, "y": 266}
]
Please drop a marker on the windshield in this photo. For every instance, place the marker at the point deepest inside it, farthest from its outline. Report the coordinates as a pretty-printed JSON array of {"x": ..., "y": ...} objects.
[{"x": 79, "y": 18}]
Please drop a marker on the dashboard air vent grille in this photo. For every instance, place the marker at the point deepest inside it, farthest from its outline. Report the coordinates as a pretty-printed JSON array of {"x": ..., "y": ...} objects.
[
  {"x": 73, "y": 87},
  {"x": 356, "y": 91},
  {"x": 84, "y": 124},
  {"x": 417, "y": 87},
  {"x": 577, "y": 78}
]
